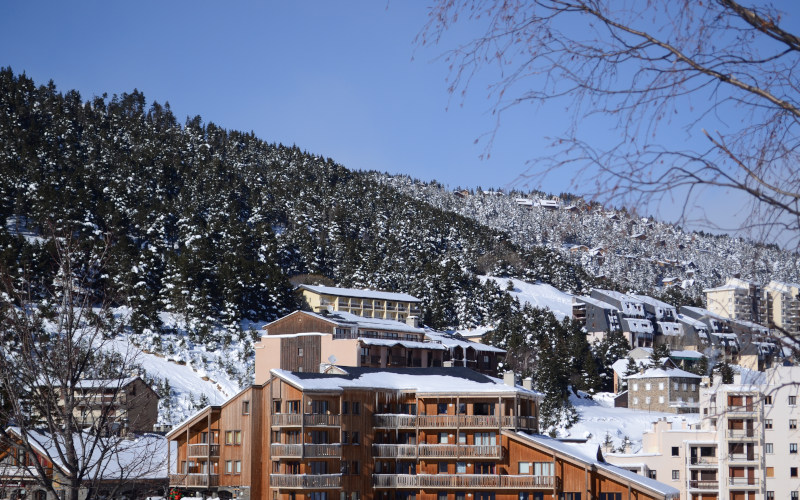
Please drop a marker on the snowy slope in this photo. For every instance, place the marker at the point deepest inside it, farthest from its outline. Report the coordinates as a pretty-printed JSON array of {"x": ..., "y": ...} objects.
[
  {"x": 598, "y": 417},
  {"x": 538, "y": 295}
]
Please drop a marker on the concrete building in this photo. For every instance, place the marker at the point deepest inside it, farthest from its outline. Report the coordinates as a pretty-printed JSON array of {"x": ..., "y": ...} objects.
[
  {"x": 737, "y": 299},
  {"x": 745, "y": 448},
  {"x": 783, "y": 306},
  {"x": 366, "y": 303}
]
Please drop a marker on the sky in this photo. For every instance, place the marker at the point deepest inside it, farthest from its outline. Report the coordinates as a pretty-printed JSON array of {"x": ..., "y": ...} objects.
[{"x": 344, "y": 80}]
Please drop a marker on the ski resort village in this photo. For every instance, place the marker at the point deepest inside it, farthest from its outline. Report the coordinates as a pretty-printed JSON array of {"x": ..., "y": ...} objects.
[{"x": 400, "y": 250}]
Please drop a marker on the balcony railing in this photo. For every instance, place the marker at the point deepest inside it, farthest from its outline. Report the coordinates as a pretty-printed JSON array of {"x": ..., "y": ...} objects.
[
  {"x": 399, "y": 421},
  {"x": 746, "y": 482},
  {"x": 309, "y": 420},
  {"x": 306, "y": 481},
  {"x": 203, "y": 450},
  {"x": 703, "y": 461},
  {"x": 741, "y": 433},
  {"x": 286, "y": 450},
  {"x": 704, "y": 485},
  {"x": 461, "y": 481},
  {"x": 436, "y": 451},
  {"x": 743, "y": 457},
  {"x": 744, "y": 410},
  {"x": 194, "y": 480}
]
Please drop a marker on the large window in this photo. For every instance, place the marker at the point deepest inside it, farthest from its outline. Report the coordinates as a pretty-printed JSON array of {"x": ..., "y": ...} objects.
[
  {"x": 543, "y": 469},
  {"x": 485, "y": 438}
]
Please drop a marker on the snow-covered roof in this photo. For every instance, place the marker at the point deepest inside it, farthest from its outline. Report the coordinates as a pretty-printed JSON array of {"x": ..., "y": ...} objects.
[
  {"x": 408, "y": 344},
  {"x": 582, "y": 454},
  {"x": 449, "y": 341},
  {"x": 652, "y": 301},
  {"x": 141, "y": 457},
  {"x": 360, "y": 293},
  {"x": 724, "y": 288},
  {"x": 700, "y": 312},
  {"x": 595, "y": 302},
  {"x": 621, "y": 365},
  {"x": 104, "y": 383},
  {"x": 694, "y": 323},
  {"x": 635, "y": 325},
  {"x": 664, "y": 373},
  {"x": 346, "y": 319},
  {"x": 445, "y": 381},
  {"x": 676, "y": 353}
]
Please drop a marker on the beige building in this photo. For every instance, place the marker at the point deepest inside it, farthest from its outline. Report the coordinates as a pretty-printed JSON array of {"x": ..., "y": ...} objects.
[
  {"x": 365, "y": 303},
  {"x": 664, "y": 389},
  {"x": 745, "y": 448},
  {"x": 783, "y": 306},
  {"x": 737, "y": 299}
]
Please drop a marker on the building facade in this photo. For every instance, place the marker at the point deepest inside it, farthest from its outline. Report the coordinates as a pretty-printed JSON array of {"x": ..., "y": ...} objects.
[
  {"x": 367, "y": 433},
  {"x": 365, "y": 303}
]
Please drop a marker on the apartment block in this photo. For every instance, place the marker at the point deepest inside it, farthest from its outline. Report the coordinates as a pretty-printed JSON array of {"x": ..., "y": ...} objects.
[
  {"x": 303, "y": 340},
  {"x": 783, "y": 306},
  {"x": 370, "y": 433},
  {"x": 745, "y": 448},
  {"x": 366, "y": 303},
  {"x": 664, "y": 389},
  {"x": 737, "y": 299}
]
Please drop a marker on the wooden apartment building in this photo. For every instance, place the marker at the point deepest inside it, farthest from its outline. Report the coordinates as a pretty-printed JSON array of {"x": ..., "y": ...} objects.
[{"x": 356, "y": 433}]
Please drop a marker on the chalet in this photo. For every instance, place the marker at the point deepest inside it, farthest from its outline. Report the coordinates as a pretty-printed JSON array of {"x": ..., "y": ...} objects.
[
  {"x": 353, "y": 433},
  {"x": 366, "y": 303},
  {"x": 132, "y": 467}
]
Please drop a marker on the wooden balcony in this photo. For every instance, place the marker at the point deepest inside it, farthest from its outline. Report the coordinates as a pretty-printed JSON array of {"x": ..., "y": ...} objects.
[
  {"x": 436, "y": 451},
  {"x": 309, "y": 420},
  {"x": 203, "y": 450},
  {"x": 305, "y": 481},
  {"x": 194, "y": 480},
  {"x": 462, "y": 481},
  {"x": 400, "y": 421}
]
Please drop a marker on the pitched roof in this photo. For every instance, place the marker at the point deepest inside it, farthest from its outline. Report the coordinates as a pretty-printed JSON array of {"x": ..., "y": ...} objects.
[
  {"x": 359, "y": 293},
  {"x": 142, "y": 457},
  {"x": 449, "y": 340},
  {"x": 664, "y": 373},
  {"x": 579, "y": 454}
]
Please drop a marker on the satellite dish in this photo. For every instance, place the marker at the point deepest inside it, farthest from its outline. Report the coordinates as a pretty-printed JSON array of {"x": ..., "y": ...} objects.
[{"x": 332, "y": 359}]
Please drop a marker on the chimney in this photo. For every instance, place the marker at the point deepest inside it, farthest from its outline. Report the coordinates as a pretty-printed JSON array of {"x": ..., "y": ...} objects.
[
  {"x": 527, "y": 383},
  {"x": 510, "y": 378},
  {"x": 413, "y": 321}
]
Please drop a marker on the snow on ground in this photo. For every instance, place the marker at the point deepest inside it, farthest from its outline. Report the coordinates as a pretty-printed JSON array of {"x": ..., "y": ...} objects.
[
  {"x": 598, "y": 417},
  {"x": 537, "y": 295}
]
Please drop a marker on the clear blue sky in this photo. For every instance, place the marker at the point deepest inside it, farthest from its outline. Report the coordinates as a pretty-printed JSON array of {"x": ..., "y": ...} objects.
[{"x": 342, "y": 79}]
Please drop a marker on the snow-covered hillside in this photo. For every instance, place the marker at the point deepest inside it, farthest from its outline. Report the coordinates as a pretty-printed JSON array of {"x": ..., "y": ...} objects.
[
  {"x": 539, "y": 295},
  {"x": 598, "y": 417}
]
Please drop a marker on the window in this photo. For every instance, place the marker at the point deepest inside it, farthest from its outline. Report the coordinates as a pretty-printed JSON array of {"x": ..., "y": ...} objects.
[
  {"x": 543, "y": 469},
  {"x": 651, "y": 474},
  {"x": 768, "y": 448},
  {"x": 770, "y": 472},
  {"x": 299, "y": 352},
  {"x": 319, "y": 467},
  {"x": 442, "y": 467},
  {"x": 661, "y": 386},
  {"x": 684, "y": 386},
  {"x": 523, "y": 495},
  {"x": 344, "y": 407},
  {"x": 610, "y": 496},
  {"x": 793, "y": 471},
  {"x": 485, "y": 438},
  {"x": 661, "y": 399},
  {"x": 355, "y": 467},
  {"x": 462, "y": 438},
  {"x": 460, "y": 495},
  {"x": 319, "y": 407},
  {"x": 793, "y": 423},
  {"x": 462, "y": 408},
  {"x": 792, "y": 400},
  {"x": 676, "y": 451},
  {"x": 647, "y": 386},
  {"x": 569, "y": 496},
  {"x": 276, "y": 406},
  {"x": 356, "y": 439},
  {"x": 636, "y": 401},
  {"x": 792, "y": 447},
  {"x": 675, "y": 386},
  {"x": 647, "y": 400},
  {"x": 768, "y": 401},
  {"x": 344, "y": 468},
  {"x": 318, "y": 495},
  {"x": 768, "y": 423},
  {"x": 354, "y": 495},
  {"x": 345, "y": 437},
  {"x": 357, "y": 408},
  {"x": 245, "y": 407},
  {"x": 676, "y": 475},
  {"x": 770, "y": 495},
  {"x": 443, "y": 438},
  {"x": 461, "y": 467},
  {"x": 441, "y": 409},
  {"x": 694, "y": 387},
  {"x": 442, "y": 495},
  {"x": 233, "y": 437},
  {"x": 635, "y": 387},
  {"x": 293, "y": 406},
  {"x": 524, "y": 467},
  {"x": 237, "y": 467},
  {"x": 794, "y": 495},
  {"x": 228, "y": 466}
]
